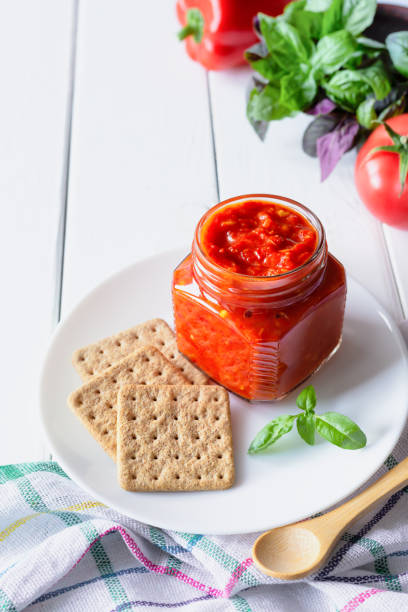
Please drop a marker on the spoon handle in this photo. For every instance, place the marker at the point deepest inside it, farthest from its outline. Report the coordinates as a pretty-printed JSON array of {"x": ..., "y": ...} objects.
[{"x": 337, "y": 520}]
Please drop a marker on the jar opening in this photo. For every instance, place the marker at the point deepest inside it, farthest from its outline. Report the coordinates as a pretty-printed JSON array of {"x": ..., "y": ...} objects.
[{"x": 232, "y": 203}]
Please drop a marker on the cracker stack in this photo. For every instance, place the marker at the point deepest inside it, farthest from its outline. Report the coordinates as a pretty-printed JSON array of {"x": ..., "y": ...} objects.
[{"x": 154, "y": 411}]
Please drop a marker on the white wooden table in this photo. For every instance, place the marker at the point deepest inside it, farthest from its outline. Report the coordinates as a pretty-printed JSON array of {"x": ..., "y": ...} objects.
[{"x": 112, "y": 145}]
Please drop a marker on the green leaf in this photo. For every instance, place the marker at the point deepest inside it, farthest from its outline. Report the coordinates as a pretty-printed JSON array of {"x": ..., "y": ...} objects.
[
  {"x": 194, "y": 26},
  {"x": 377, "y": 77},
  {"x": 403, "y": 170},
  {"x": 306, "y": 427},
  {"x": 297, "y": 91},
  {"x": 333, "y": 50},
  {"x": 318, "y": 5},
  {"x": 370, "y": 43},
  {"x": 307, "y": 23},
  {"x": 261, "y": 61},
  {"x": 358, "y": 14},
  {"x": 333, "y": 18},
  {"x": 271, "y": 433},
  {"x": 348, "y": 88},
  {"x": 306, "y": 400},
  {"x": 284, "y": 42},
  {"x": 340, "y": 430},
  {"x": 366, "y": 115},
  {"x": 397, "y": 45},
  {"x": 266, "y": 106}
]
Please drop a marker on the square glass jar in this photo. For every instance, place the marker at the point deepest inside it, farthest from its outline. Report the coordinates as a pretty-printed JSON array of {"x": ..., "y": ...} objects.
[{"x": 259, "y": 336}]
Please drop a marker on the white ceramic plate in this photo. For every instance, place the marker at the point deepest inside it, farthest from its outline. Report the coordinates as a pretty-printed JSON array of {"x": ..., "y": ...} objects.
[{"x": 366, "y": 380}]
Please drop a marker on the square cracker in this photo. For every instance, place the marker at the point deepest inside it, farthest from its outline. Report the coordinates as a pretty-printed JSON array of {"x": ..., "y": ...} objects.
[
  {"x": 95, "y": 403},
  {"x": 174, "y": 438},
  {"x": 96, "y": 358}
]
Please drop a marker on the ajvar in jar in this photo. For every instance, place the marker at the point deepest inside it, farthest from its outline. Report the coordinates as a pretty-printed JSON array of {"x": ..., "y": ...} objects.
[{"x": 259, "y": 302}]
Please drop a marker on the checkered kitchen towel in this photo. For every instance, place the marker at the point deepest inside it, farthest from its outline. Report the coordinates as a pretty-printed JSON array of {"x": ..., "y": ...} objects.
[{"x": 62, "y": 550}]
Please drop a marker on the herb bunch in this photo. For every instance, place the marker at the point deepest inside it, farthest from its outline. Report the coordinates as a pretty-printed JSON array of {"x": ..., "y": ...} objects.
[
  {"x": 332, "y": 426},
  {"x": 314, "y": 58}
]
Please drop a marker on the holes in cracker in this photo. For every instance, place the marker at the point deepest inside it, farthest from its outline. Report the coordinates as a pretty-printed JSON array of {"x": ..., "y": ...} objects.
[
  {"x": 114, "y": 380},
  {"x": 158, "y": 373},
  {"x": 81, "y": 358},
  {"x": 142, "y": 382},
  {"x": 91, "y": 416},
  {"x": 219, "y": 456},
  {"x": 146, "y": 359},
  {"x": 175, "y": 398},
  {"x": 196, "y": 399},
  {"x": 79, "y": 401},
  {"x": 133, "y": 436},
  {"x": 198, "y": 477},
  {"x": 130, "y": 370},
  {"x": 196, "y": 437},
  {"x": 177, "y": 457},
  {"x": 90, "y": 372},
  {"x": 133, "y": 398},
  {"x": 132, "y": 457},
  {"x": 97, "y": 392},
  {"x": 198, "y": 456},
  {"x": 175, "y": 417},
  {"x": 220, "y": 476},
  {"x": 105, "y": 432},
  {"x": 153, "y": 329},
  {"x": 110, "y": 406},
  {"x": 217, "y": 417},
  {"x": 118, "y": 343},
  {"x": 100, "y": 351},
  {"x": 155, "y": 478},
  {"x": 177, "y": 476},
  {"x": 196, "y": 418},
  {"x": 154, "y": 437},
  {"x": 154, "y": 398},
  {"x": 154, "y": 417},
  {"x": 218, "y": 437},
  {"x": 161, "y": 343},
  {"x": 176, "y": 437},
  {"x": 155, "y": 457},
  {"x": 135, "y": 337},
  {"x": 172, "y": 356}
]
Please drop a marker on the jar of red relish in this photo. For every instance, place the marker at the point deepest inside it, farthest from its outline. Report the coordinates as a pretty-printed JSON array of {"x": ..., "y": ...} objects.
[{"x": 259, "y": 302}]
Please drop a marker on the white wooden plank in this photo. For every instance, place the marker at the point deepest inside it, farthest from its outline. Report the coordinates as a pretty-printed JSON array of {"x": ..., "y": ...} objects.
[
  {"x": 278, "y": 166},
  {"x": 397, "y": 241},
  {"x": 142, "y": 168},
  {"x": 35, "y": 46}
]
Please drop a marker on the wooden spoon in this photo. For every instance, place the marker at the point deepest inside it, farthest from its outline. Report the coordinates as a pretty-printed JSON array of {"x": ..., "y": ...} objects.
[{"x": 293, "y": 551}]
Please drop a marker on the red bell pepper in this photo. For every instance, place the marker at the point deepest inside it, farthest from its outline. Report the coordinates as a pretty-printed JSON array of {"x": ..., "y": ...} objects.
[{"x": 217, "y": 32}]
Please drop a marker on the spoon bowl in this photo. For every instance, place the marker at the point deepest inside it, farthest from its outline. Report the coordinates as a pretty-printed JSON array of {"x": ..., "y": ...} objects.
[{"x": 294, "y": 551}]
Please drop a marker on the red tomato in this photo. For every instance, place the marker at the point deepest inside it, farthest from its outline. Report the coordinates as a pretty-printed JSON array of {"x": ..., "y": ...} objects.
[{"x": 377, "y": 176}]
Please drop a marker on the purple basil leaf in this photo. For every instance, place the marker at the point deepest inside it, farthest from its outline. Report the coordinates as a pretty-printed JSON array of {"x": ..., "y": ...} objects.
[
  {"x": 257, "y": 25},
  {"x": 324, "y": 107},
  {"x": 333, "y": 145}
]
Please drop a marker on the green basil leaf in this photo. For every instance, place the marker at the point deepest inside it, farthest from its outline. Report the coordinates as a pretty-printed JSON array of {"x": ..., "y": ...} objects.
[
  {"x": 397, "y": 45},
  {"x": 370, "y": 43},
  {"x": 340, "y": 430},
  {"x": 297, "y": 91},
  {"x": 260, "y": 59},
  {"x": 306, "y": 400},
  {"x": 307, "y": 23},
  {"x": 376, "y": 76},
  {"x": 358, "y": 15},
  {"x": 266, "y": 105},
  {"x": 366, "y": 115},
  {"x": 348, "y": 88},
  {"x": 271, "y": 433},
  {"x": 306, "y": 426},
  {"x": 333, "y": 18},
  {"x": 284, "y": 42},
  {"x": 333, "y": 50},
  {"x": 318, "y": 5}
]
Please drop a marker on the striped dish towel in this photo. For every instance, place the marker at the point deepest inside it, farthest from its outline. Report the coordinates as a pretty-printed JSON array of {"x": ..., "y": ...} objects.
[{"x": 62, "y": 550}]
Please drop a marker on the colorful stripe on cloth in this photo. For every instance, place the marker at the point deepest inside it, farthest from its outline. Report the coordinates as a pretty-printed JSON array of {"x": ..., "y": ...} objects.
[{"x": 61, "y": 550}]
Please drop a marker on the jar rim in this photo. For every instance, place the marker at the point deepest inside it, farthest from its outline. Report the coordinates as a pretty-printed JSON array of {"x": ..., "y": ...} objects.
[{"x": 304, "y": 210}]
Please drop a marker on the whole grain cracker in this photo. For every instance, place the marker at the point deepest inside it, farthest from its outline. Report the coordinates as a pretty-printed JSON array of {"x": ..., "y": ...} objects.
[
  {"x": 95, "y": 403},
  {"x": 174, "y": 438},
  {"x": 95, "y": 358}
]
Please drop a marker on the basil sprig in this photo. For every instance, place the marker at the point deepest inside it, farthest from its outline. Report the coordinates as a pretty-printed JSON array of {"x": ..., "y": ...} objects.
[
  {"x": 317, "y": 51},
  {"x": 332, "y": 426}
]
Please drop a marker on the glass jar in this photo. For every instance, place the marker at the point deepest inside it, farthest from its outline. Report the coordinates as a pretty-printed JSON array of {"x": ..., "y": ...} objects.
[{"x": 259, "y": 336}]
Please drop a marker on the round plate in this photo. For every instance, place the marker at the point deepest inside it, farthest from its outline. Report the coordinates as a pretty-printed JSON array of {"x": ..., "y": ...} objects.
[{"x": 366, "y": 380}]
